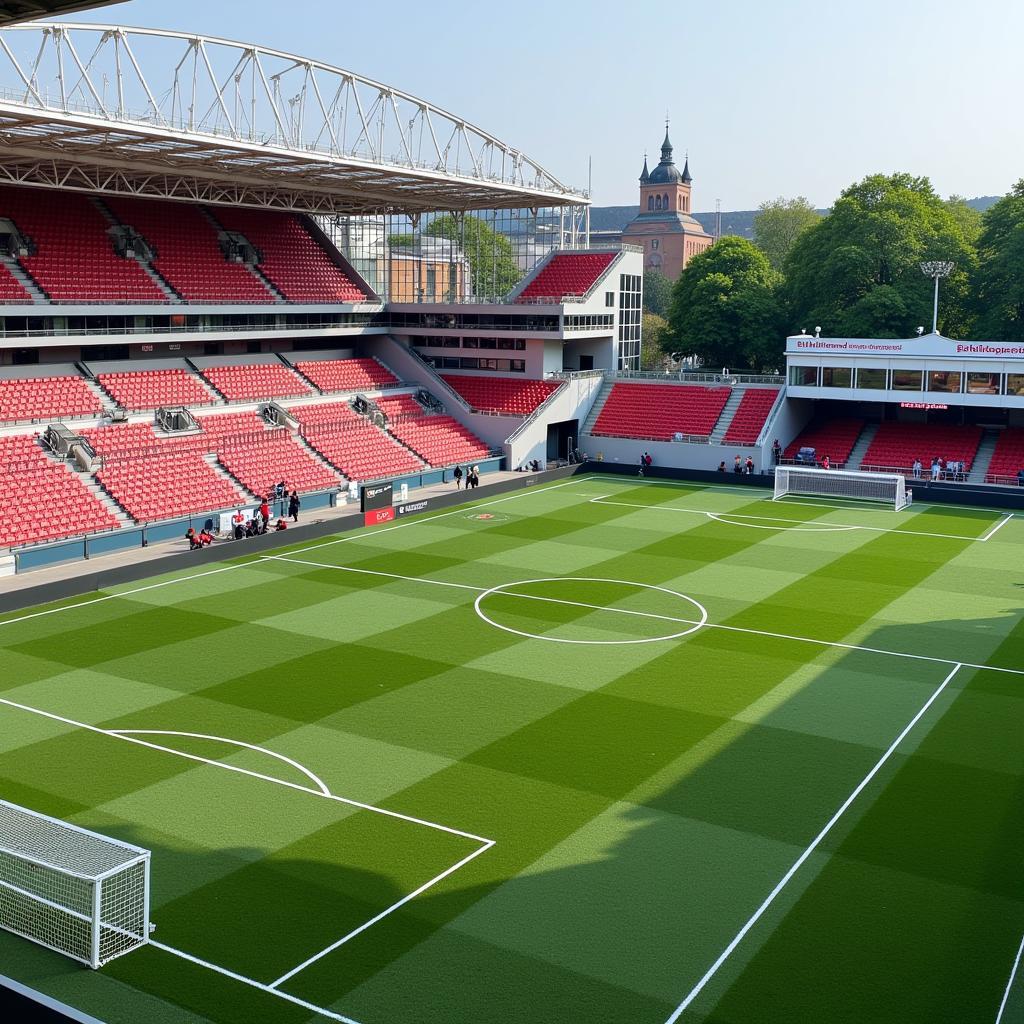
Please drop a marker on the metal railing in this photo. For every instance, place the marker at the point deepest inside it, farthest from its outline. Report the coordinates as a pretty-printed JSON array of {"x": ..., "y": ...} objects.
[{"x": 698, "y": 377}]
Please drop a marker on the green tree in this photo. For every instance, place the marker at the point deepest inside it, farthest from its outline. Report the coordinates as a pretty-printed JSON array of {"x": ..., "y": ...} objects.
[
  {"x": 778, "y": 223},
  {"x": 656, "y": 337},
  {"x": 657, "y": 292},
  {"x": 876, "y": 236},
  {"x": 969, "y": 219},
  {"x": 725, "y": 307},
  {"x": 492, "y": 264},
  {"x": 999, "y": 281}
]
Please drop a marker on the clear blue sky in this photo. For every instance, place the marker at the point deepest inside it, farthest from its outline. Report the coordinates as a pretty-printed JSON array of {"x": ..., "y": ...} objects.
[{"x": 791, "y": 98}]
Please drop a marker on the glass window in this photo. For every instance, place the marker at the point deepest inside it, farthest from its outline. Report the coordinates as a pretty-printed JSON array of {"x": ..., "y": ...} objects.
[
  {"x": 907, "y": 380},
  {"x": 1015, "y": 383},
  {"x": 806, "y": 376},
  {"x": 875, "y": 379},
  {"x": 609, "y": 298},
  {"x": 836, "y": 376},
  {"x": 470, "y": 343},
  {"x": 983, "y": 383},
  {"x": 943, "y": 380}
]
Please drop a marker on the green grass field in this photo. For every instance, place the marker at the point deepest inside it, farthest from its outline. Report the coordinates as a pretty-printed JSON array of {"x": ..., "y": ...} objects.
[{"x": 618, "y": 752}]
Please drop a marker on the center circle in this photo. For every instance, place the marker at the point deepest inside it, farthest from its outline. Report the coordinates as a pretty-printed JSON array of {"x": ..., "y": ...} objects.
[{"x": 505, "y": 588}]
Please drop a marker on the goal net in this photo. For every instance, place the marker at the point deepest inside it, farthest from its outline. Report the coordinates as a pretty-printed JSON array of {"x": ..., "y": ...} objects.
[
  {"x": 75, "y": 891},
  {"x": 890, "y": 488}
]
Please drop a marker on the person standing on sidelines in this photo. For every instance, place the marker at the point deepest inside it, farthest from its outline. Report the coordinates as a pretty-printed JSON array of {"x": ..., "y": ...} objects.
[
  {"x": 293, "y": 506},
  {"x": 917, "y": 468},
  {"x": 458, "y": 477}
]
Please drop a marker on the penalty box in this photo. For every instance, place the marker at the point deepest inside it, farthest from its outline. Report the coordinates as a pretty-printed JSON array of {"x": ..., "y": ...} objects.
[{"x": 256, "y": 868}]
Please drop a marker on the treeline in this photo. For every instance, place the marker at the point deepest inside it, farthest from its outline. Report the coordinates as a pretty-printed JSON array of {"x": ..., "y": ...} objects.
[{"x": 854, "y": 273}]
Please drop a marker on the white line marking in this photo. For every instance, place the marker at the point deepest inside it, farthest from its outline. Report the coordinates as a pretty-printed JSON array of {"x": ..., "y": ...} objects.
[
  {"x": 670, "y": 618},
  {"x": 244, "y": 771},
  {"x": 500, "y": 589},
  {"x": 318, "y": 782},
  {"x": 322, "y": 1011},
  {"x": 794, "y": 522},
  {"x": 384, "y": 913},
  {"x": 995, "y": 529},
  {"x": 812, "y": 846},
  {"x": 809, "y": 527},
  {"x": 1009, "y": 984}
]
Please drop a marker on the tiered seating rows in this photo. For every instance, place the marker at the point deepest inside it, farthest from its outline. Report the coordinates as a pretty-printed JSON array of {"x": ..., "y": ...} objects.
[
  {"x": 395, "y": 406},
  {"x": 324, "y": 412},
  {"x": 292, "y": 259},
  {"x": 346, "y": 374},
  {"x": 832, "y": 438},
  {"x": 749, "y": 418},
  {"x": 660, "y": 411},
  {"x": 150, "y": 389},
  {"x": 41, "y": 499},
  {"x": 42, "y": 398},
  {"x": 188, "y": 253},
  {"x": 254, "y": 382},
  {"x": 10, "y": 287},
  {"x": 502, "y": 394},
  {"x": 439, "y": 440},
  {"x": 261, "y": 464},
  {"x": 896, "y": 445},
  {"x": 361, "y": 451},
  {"x": 1008, "y": 457},
  {"x": 567, "y": 274},
  {"x": 75, "y": 259}
]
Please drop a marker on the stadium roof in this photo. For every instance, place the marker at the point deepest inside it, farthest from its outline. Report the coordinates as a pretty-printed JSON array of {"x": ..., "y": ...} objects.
[
  {"x": 23, "y": 10},
  {"x": 150, "y": 112}
]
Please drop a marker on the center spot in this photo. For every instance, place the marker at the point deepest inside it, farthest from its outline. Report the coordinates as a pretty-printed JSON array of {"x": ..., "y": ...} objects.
[{"x": 590, "y": 610}]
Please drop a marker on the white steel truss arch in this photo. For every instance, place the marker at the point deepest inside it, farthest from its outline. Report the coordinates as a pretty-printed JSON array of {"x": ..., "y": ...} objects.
[{"x": 153, "y": 112}]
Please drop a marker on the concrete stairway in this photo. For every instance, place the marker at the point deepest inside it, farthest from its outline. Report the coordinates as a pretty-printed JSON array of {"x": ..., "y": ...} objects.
[
  {"x": 722, "y": 424},
  {"x": 595, "y": 409},
  {"x": 867, "y": 435},
  {"x": 22, "y": 276},
  {"x": 150, "y": 271},
  {"x": 211, "y": 461},
  {"x": 983, "y": 456},
  {"x": 99, "y": 492}
]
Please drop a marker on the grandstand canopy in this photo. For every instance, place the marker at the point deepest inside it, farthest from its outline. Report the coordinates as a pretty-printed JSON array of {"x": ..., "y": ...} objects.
[
  {"x": 22, "y": 10},
  {"x": 156, "y": 113}
]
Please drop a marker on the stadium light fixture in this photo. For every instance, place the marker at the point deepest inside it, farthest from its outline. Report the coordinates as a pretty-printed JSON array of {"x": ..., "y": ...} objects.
[{"x": 936, "y": 270}]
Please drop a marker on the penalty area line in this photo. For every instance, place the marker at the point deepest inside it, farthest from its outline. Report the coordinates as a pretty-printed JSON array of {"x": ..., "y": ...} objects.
[
  {"x": 1009, "y": 984},
  {"x": 811, "y": 847}
]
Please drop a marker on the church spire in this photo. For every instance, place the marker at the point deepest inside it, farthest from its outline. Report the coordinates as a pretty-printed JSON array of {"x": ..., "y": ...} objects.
[
  {"x": 645, "y": 175},
  {"x": 687, "y": 177},
  {"x": 666, "y": 147}
]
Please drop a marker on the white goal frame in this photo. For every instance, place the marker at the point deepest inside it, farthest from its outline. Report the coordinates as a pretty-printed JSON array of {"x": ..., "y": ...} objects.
[
  {"x": 74, "y": 891},
  {"x": 890, "y": 488}
]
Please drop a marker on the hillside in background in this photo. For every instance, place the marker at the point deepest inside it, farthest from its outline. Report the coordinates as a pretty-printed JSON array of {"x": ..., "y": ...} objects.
[{"x": 734, "y": 222}]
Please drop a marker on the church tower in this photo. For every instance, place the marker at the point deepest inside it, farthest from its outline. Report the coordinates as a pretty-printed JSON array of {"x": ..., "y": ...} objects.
[{"x": 664, "y": 225}]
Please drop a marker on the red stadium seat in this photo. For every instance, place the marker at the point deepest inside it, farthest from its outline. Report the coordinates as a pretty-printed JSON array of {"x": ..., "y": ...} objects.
[
  {"x": 26, "y": 399},
  {"x": 832, "y": 438},
  {"x": 749, "y": 419},
  {"x": 567, "y": 274},
  {"x": 254, "y": 382},
  {"x": 505, "y": 395},
  {"x": 347, "y": 374},
  {"x": 151, "y": 389},
  {"x": 658, "y": 412}
]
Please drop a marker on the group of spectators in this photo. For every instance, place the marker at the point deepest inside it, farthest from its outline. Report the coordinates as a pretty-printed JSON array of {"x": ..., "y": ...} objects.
[
  {"x": 740, "y": 466},
  {"x": 243, "y": 526},
  {"x": 472, "y": 476},
  {"x": 941, "y": 469}
]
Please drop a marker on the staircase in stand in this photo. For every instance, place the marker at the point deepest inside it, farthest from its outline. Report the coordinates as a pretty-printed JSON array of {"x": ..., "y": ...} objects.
[
  {"x": 211, "y": 461},
  {"x": 25, "y": 279},
  {"x": 148, "y": 269},
  {"x": 720, "y": 428},
  {"x": 595, "y": 409},
  {"x": 867, "y": 435},
  {"x": 983, "y": 456},
  {"x": 102, "y": 495}
]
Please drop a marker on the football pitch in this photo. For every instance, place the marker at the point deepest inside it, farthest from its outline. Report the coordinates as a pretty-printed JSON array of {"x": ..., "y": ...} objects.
[{"x": 601, "y": 751}]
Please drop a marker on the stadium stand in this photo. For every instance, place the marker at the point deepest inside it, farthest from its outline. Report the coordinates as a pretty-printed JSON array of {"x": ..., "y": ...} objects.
[
  {"x": 140, "y": 439},
  {"x": 439, "y": 440},
  {"x": 46, "y": 398},
  {"x": 255, "y": 382},
  {"x": 187, "y": 252},
  {"x": 41, "y": 499},
  {"x": 503, "y": 395},
  {"x": 260, "y": 464},
  {"x": 322, "y": 413},
  {"x": 832, "y": 437},
  {"x": 896, "y": 445},
  {"x": 10, "y": 287},
  {"x": 658, "y": 411},
  {"x": 749, "y": 419},
  {"x": 164, "y": 486},
  {"x": 361, "y": 451},
  {"x": 567, "y": 274},
  {"x": 74, "y": 258},
  {"x": 1008, "y": 458},
  {"x": 397, "y": 407},
  {"x": 150, "y": 389},
  {"x": 347, "y": 374},
  {"x": 291, "y": 258}
]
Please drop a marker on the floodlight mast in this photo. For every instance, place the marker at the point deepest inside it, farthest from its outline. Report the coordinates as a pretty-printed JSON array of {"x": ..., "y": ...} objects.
[{"x": 936, "y": 269}]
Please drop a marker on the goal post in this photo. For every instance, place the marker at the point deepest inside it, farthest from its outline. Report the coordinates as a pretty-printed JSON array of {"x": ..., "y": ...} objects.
[
  {"x": 890, "y": 488},
  {"x": 74, "y": 891}
]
